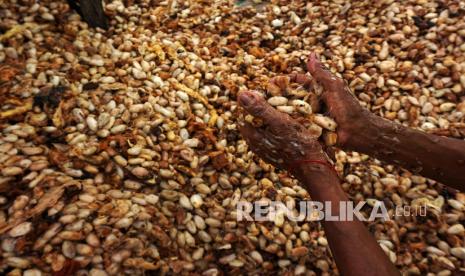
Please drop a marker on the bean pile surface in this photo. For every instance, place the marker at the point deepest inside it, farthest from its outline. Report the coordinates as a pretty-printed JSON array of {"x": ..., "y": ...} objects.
[{"x": 119, "y": 148}]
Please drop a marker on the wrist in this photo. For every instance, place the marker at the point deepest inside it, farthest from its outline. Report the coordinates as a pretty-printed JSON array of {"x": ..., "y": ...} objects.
[
  {"x": 362, "y": 134},
  {"x": 321, "y": 182}
]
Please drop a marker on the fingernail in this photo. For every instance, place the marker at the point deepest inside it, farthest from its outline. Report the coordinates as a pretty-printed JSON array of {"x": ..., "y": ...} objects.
[
  {"x": 312, "y": 56},
  {"x": 317, "y": 61},
  {"x": 311, "y": 62},
  {"x": 246, "y": 99}
]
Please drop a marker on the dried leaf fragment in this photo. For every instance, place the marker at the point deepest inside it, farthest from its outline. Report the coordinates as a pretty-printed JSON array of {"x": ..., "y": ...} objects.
[
  {"x": 219, "y": 159},
  {"x": 158, "y": 51},
  {"x": 196, "y": 95},
  {"x": 16, "y": 111},
  {"x": 17, "y": 30},
  {"x": 49, "y": 199},
  {"x": 7, "y": 73}
]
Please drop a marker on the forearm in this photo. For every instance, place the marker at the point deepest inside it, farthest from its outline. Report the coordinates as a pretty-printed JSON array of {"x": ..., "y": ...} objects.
[
  {"x": 435, "y": 157},
  {"x": 355, "y": 250}
]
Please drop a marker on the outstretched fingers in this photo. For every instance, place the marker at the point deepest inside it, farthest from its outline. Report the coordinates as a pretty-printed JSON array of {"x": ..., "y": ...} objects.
[
  {"x": 257, "y": 106},
  {"x": 336, "y": 95},
  {"x": 328, "y": 80},
  {"x": 261, "y": 143}
]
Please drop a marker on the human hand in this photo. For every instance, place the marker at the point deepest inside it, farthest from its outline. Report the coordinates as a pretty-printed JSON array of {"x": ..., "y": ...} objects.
[
  {"x": 282, "y": 141},
  {"x": 341, "y": 104}
]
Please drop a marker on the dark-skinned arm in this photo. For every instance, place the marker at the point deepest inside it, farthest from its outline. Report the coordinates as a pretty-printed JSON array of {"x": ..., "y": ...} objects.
[
  {"x": 355, "y": 250},
  {"x": 436, "y": 157},
  {"x": 282, "y": 141}
]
